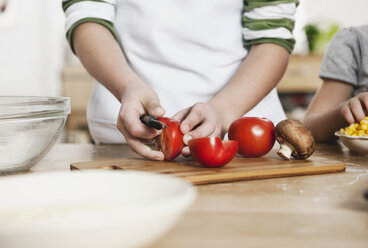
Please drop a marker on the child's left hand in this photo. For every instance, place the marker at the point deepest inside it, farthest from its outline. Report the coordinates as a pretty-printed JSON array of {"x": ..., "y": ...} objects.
[
  {"x": 248, "y": 86},
  {"x": 199, "y": 120}
]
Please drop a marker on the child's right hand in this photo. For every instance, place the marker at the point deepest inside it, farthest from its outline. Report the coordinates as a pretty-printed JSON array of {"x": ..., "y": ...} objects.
[
  {"x": 103, "y": 58},
  {"x": 139, "y": 99},
  {"x": 355, "y": 109}
]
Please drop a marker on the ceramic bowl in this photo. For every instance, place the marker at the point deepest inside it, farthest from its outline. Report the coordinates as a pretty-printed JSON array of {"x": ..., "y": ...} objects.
[
  {"x": 355, "y": 143},
  {"x": 29, "y": 127},
  {"x": 89, "y": 209}
]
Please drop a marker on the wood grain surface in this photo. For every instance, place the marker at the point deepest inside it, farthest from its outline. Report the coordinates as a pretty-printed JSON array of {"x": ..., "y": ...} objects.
[
  {"x": 238, "y": 169},
  {"x": 317, "y": 211}
]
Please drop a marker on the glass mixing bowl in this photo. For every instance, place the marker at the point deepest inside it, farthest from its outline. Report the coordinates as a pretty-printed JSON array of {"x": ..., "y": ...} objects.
[{"x": 29, "y": 127}]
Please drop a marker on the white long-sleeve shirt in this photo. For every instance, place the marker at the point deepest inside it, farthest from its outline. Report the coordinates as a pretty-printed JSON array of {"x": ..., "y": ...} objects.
[{"x": 186, "y": 50}]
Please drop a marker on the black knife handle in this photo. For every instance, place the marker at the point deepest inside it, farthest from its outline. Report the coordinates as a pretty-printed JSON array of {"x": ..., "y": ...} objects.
[{"x": 151, "y": 121}]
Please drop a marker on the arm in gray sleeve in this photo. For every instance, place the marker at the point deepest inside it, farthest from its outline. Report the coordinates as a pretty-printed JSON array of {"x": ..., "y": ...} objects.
[{"x": 342, "y": 58}]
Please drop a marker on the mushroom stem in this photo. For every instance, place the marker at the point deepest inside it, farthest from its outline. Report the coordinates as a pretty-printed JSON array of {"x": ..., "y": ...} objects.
[{"x": 285, "y": 150}]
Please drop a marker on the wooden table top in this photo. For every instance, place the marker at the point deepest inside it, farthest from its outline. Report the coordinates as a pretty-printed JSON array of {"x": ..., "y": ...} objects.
[{"x": 310, "y": 211}]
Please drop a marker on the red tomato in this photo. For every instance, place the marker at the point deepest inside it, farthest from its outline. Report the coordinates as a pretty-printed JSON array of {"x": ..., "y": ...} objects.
[
  {"x": 170, "y": 140},
  {"x": 212, "y": 151},
  {"x": 255, "y": 135}
]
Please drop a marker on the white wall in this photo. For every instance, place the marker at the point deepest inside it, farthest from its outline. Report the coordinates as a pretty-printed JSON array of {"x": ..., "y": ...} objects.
[
  {"x": 32, "y": 40},
  {"x": 344, "y": 13},
  {"x": 31, "y": 47}
]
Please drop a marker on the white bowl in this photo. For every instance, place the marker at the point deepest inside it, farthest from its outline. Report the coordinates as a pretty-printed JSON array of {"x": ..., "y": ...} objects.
[
  {"x": 355, "y": 143},
  {"x": 90, "y": 209},
  {"x": 29, "y": 127}
]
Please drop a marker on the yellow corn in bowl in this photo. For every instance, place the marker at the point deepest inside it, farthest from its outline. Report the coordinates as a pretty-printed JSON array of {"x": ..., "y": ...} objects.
[{"x": 355, "y": 136}]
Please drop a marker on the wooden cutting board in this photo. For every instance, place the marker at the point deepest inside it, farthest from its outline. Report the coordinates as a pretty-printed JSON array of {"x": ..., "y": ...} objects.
[{"x": 240, "y": 168}]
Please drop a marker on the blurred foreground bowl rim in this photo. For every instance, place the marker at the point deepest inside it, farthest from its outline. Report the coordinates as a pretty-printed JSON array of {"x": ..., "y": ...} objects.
[
  {"x": 179, "y": 202},
  {"x": 338, "y": 134},
  {"x": 117, "y": 229}
]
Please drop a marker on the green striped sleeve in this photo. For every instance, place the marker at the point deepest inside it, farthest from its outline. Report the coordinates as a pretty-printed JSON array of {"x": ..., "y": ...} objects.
[
  {"x": 269, "y": 21},
  {"x": 254, "y": 24},
  {"x": 66, "y": 4},
  {"x": 107, "y": 24},
  {"x": 252, "y": 4},
  {"x": 82, "y": 11},
  {"x": 288, "y": 44}
]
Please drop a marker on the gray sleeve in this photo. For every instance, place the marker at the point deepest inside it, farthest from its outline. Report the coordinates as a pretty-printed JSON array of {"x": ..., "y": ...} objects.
[{"x": 341, "y": 60}]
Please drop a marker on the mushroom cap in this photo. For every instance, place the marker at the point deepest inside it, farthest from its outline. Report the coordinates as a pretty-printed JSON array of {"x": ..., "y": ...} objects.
[{"x": 296, "y": 134}]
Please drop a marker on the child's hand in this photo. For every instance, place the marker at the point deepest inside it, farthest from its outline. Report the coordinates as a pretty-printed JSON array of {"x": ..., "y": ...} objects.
[
  {"x": 355, "y": 109},
  {"x": 199, "y": 120},
  {"x": 139, "y": 99}
]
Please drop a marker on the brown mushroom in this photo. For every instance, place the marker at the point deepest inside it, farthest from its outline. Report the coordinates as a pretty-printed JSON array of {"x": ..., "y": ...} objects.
[{"x": 294, "y": 139}]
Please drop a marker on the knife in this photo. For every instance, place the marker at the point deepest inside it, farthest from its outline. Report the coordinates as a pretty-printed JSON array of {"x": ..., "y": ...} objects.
[{"x": 152, "y": 122}]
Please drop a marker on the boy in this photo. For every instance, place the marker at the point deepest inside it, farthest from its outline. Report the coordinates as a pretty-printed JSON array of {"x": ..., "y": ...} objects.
[
  {"x": 184, "y": 58},
  {"x": 343, "y": 97}
]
